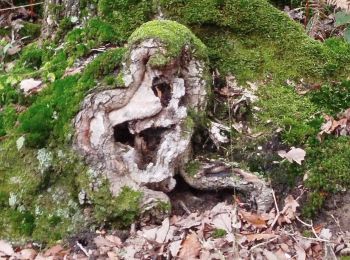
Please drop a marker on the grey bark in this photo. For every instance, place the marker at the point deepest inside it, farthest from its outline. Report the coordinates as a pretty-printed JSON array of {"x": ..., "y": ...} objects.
[{"x": 55, "y": 11}]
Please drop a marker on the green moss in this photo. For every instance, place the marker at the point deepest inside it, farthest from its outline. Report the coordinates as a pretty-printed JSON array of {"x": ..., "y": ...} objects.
[
  {"x": 327, "y": 166},
  {"x": 246, "y": 38},
  {"x": 64, "y": 27},
  {"x": 37, "y": 123},
  {"x": 31, "y": 56},
  {"x": 164, "y": 206},
  {"x": 55, "y": 65},
  {"x": 283, "y": 107},
  {"x": 121, "y": 210},
  {"x": 119, "y": 80},
  {"x": 329, "y": 170},
  {"x": 31, "y": 30},
  {"x": 96, "y": 32},
  {"x": 217, "y": 233},
  {"x": 192, "y": 168},
  {"x": 38, "y": 202},
  {"x": 175, "y": 37},
  {"x": 332, "y": 98},
  {"x": 102, "y": 66},
  {"x": 9, "y": 118},
  {"x": 126, "y": 15}
]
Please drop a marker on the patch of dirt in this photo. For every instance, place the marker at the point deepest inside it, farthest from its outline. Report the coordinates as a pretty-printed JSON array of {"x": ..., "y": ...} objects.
[
  {"x": 184, "y": 197},
  {"x": 336, "y": 213}
]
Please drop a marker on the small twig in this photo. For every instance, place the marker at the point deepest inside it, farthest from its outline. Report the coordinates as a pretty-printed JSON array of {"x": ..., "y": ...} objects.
[
  {"x": 21, "y": 6},
  {"x": 184, "y": 207},
  {"x": 308, "y": 238},
  {"x": 278, "y": 212},
  {"x": 83, "y": 249},
  {"x": 337, "y": 222},
  {"x": 312, "y": 228},
  {"x": 263, "y": 243}
]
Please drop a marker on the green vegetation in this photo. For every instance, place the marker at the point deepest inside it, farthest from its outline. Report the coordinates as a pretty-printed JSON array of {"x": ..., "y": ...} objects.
[
  {"x": 217, "y": 233},
  {"x": 245, "y": 38},
  {"x": 174, "y": 35},
  {"x": 30, "y": 30},
  {"x": 192, "y": 168},
  {"x": 122, "y": 210}
]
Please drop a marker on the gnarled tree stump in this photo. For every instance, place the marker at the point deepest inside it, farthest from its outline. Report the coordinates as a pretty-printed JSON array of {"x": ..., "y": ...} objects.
[{"x": 140, "y": 136}]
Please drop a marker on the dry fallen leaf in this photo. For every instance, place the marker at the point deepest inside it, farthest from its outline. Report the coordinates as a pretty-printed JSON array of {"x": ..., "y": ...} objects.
[
  {"x": 326, "y": 234},
  {"x": 174, "y": 248},
  {"x": 290, "y": 208},
  {"x": 6, "y": 248},
  {"x": 262, "y": 236},
  {"x": 270, "y": 255},
  {"x": 28, "y": 254},
  {"x": 295, "y": 154},
  {"x": 101, "y": 241},
  {"x": 162, "y": 232},
  {"x": 30, "y": 85},
  {"x": 13, "y": 50},
  {"x": 190, "y": 247},
  {"x": 256, "y": 220},
  {"x": 300, "y": 252},
  {"x": 53, "y": 251}
]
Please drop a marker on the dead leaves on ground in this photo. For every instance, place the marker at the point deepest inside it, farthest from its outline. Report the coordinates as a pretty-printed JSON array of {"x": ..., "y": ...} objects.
[
  {"x": 340, "y": 127},
  {"x": 294, "y": 155},
  {"x": 243, "y": 235}
]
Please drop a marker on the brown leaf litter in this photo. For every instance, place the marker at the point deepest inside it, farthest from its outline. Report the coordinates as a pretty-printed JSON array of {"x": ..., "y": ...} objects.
[{"x": 224, "y": 232}]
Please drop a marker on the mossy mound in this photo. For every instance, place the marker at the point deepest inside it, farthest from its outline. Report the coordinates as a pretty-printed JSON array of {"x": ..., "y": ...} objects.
[{"x": 41, "y": 177}]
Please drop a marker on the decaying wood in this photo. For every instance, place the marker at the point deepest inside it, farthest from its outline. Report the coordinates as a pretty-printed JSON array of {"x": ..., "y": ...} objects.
[
  {"x": 217, "y": 175},
  {"x": 138, "y": 136}
]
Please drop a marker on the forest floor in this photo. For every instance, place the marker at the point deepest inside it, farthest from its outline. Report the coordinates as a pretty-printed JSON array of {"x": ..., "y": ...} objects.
[{"x": 212, "y": 225}]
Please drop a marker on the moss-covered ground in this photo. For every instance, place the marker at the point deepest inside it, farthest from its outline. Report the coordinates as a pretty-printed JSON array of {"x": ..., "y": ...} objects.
[{"x": 40, "y": 176}]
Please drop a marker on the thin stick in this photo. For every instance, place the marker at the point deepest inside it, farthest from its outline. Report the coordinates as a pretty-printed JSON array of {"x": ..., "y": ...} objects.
[
  {"x": 21, "y": 6},
  {"x": 183, "y": 205},
  {"x": 263, "y": 243},
  {"x": 307, "y": 238},
  {"x": 83, "y": 249},
  {"x": 278, "y": 212},
  {"x": 337, "y": 222},
  {"x": 312, "y": 228}
]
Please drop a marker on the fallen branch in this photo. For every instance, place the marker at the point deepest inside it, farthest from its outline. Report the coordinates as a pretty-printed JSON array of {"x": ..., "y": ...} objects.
[{"x": 21, "y": 6}]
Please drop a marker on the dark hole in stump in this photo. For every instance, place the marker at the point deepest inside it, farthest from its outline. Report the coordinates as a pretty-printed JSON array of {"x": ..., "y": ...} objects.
[
  {"x": 162, "y": 90},
  {"x": 122, "y": 134},
  {"x": 147, "y": 143}
]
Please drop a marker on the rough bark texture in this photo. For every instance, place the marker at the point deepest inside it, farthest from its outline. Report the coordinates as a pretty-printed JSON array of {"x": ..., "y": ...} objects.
[
  {"x": 217, "y": 175},
  {"x": 140, "y": 136},
  {"x": 137, "y": 135},
  {"x": 56, "y": 10}
]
